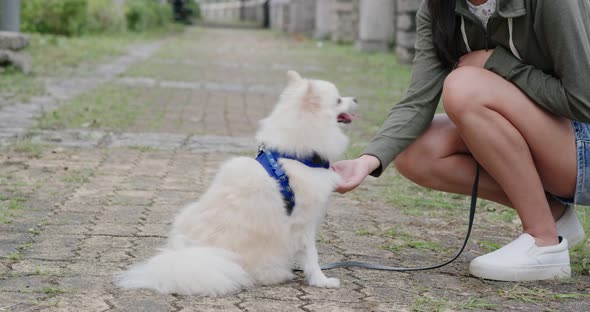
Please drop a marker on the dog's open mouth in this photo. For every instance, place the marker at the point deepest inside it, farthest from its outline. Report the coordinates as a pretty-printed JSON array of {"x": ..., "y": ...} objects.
[{"x": 346, "y": 118}]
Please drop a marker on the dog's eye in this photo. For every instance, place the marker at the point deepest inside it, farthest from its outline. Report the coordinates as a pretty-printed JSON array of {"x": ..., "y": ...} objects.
[{"x": 339, "y": 101}]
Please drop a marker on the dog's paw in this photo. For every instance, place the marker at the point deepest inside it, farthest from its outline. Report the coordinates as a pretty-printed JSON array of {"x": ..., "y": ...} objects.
[{"x": 324, "y": 282}]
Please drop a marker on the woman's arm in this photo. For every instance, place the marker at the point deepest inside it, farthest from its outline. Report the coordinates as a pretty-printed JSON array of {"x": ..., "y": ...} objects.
[
  {"x": 564, "y": 27},
  {"x": 412, "y": 115}
]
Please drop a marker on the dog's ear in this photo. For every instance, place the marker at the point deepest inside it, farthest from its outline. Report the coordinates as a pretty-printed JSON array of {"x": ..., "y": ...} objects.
[
  {"x": 293, "y": 76},
  {"x": 311, "y": 102}
]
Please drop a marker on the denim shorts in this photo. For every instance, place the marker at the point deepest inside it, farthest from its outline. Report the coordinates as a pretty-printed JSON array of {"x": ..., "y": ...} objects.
[{"x": 582, "y": 196}]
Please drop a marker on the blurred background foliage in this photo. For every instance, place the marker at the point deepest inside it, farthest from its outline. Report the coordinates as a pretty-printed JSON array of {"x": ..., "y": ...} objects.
[
  {"x": 63, "y": 34},
  {"x": 80, "y": 17}
]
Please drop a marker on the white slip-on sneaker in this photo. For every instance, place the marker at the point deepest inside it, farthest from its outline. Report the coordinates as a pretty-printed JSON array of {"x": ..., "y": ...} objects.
[
  {"x": 570, "y": 227},
  {"x": 523, "y": 260}
]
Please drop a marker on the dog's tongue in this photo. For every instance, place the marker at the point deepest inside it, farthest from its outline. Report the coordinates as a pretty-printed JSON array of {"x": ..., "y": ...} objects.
[{"x": 346, "y": 118}]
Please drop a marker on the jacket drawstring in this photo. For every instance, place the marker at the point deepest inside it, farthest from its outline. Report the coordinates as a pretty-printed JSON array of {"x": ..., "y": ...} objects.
[
  {"x": 464, "y": 34},
  {"x": 512, "y": 46},
  {"x": 510, "y": 30}
]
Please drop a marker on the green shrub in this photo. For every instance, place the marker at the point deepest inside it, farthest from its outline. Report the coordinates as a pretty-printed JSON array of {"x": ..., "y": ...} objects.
[
  {"x": 76, "y": 17},
  {"x": 194, "y": 8},
  {"x": 60, "y": 17},
  {"x": 146, "y": 14},
  {"x": 105, "y": 16}
]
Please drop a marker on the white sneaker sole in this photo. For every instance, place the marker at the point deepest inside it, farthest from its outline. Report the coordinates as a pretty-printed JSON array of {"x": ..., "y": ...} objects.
[{"x": 528, "y": 273}]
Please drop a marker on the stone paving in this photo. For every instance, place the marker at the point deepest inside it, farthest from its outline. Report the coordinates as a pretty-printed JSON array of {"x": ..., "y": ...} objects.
[
  {"x": 96, "y": 201},
  {"x": 17, "y": 118}
]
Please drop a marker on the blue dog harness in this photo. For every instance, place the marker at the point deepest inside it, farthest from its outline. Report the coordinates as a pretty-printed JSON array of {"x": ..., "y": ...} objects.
[{"x": 269, "y": 161}]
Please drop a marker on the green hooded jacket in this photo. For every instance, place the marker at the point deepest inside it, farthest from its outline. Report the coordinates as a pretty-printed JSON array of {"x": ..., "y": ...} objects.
[{"x": 548, "y": 58}]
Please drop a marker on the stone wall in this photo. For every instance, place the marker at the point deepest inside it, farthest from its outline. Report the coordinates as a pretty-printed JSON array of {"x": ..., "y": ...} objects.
[
  {"x": 345, "y": 21},
  {"x": 10, "y": 15},
  {"x": 302, "y": 17},
  {"x": 323, "y": 19},
  {"x": 11, "y": 46},
  {"x": 372, "y": 24},
  {"x": 376, "y": 25},
  {"x": 251, "y": 11},
  {"x": 222, "y": 11},
  {"x": 279, "y": 14},
  {"x": 405, "y": 36}
]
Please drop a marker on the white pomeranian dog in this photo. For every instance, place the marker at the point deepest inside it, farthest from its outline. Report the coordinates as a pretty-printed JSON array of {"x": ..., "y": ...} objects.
[{"x": 251, "y": 228}]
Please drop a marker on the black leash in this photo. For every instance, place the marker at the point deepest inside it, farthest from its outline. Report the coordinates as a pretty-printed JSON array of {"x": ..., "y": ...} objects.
[{"x": 400, "y": 269}]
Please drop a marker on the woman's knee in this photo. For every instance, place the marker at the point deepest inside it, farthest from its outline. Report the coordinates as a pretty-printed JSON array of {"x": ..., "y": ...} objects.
[
  {"x": 409, "y": 166},
  {"x": 420, "y": 162},
  {"x": 464, "y": 92},
  {"x": 416, "y": 162}
]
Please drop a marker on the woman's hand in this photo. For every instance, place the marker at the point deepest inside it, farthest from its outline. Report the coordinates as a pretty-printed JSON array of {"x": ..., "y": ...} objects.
[
  {"x": 354, "y": 172},
  {"x": 477, "y": 58}
]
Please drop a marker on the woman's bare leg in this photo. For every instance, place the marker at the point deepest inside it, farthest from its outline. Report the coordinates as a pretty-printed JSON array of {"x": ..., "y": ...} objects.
[
  {"x": 523, "y": 149},
  {"x": 440, "y": 160}
]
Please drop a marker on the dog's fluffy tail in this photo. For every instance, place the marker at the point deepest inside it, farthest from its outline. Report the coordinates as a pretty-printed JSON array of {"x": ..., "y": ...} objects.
[{"x": 189, "y": 271}]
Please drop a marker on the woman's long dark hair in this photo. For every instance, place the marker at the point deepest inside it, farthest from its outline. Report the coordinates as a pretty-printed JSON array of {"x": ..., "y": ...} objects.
[{"x": 445, "y": 32}]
